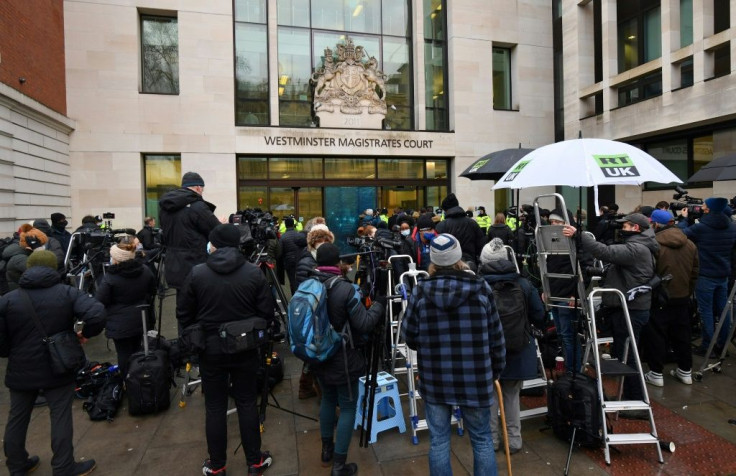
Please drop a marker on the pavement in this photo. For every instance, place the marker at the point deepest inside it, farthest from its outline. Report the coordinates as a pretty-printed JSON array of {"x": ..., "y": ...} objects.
[{"x": 695, "y": 417}]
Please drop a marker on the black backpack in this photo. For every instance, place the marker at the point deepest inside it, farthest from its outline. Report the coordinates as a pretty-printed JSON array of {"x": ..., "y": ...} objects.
[
  {"x": 511, "y": 306},
  {"x": 104, "y": 405}
]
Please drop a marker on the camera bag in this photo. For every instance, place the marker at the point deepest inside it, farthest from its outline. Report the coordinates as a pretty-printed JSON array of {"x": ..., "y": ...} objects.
[
  {"x": 243, "y": 335},
  {"x": 572, "y": 402}
]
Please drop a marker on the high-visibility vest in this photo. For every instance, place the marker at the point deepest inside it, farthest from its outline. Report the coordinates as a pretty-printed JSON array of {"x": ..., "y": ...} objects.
[
  {"x": 297, "y": 226},
  {"x": 511, "y": 222},
  {"x": 483, "y": 221}
]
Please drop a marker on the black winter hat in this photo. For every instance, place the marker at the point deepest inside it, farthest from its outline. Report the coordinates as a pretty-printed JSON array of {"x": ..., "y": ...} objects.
[
  {"x": 57, "y": 217},
  {"x": 450, "y": 201},
  {"x": 289, "y": 222},
  {"x": 225, "y": 235},
  {"x": 425, "y": 221},
  {"x": 192, "y": 179},
  {"x": 328, "y": 255}
]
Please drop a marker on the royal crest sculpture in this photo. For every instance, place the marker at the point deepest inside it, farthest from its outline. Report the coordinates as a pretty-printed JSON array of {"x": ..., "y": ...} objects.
[{"x": 349, "y": 92}]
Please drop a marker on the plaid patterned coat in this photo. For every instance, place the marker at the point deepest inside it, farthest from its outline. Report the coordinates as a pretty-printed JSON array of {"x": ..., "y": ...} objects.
[{"x": 452, "y": 323}]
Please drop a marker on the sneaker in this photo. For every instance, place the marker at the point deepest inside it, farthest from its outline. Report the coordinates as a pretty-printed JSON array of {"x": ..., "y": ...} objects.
[
  {"x": 654, "y": 378},
  {"x": 83, "y": 468},
  {"x": 682, "y": 376},
  {"x": 208, "y": 468},
  {"x": 263, "y": 465},
  {"x": 31, "y": 464}
]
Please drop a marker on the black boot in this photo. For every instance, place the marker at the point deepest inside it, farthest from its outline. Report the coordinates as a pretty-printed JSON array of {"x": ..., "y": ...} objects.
[
  {"x": 328, "y": 447},
  {"x": 341, "y": 468}
]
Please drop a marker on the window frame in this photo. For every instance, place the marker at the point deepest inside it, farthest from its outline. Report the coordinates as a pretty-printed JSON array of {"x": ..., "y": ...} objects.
[
  {"x": 170, "y": 17},
  {"x": 509, "y": 77}
]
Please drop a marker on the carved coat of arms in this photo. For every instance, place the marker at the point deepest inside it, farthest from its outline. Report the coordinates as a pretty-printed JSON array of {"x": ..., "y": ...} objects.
[{"x": 349, "y": 85}]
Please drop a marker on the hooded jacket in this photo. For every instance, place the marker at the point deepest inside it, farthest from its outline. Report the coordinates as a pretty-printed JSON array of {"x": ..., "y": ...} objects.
[
  {"x": 224, "y": 289},
  {"x": 466, "y": 230},
  {"x": 186, "y": 222},
  {"x": 678, "y": 256},
  {"x": 57, "y": 306},
  {"x": 452, "y": 323},
  {"x": 715, "y": 236},
  {"x": 520, "y": 365},
  {"x": 53, "y": 244},
  {"x": 344, "y": 305},
  {"x": 501, "y": 231},
  {"x": 632, "y": 265},
  {"x": 124, "y": 288}
]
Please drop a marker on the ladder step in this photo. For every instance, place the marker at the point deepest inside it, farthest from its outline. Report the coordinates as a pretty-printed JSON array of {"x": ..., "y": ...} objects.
[
  {"x": 532, "y": 412},
  {"x": 560, "y": 275},
  {"x": 614, "y": 368},
  {"x": 534, "y": 383},
  {"x": 631, "y": 439},
  {"x": 624, "y": 405}
]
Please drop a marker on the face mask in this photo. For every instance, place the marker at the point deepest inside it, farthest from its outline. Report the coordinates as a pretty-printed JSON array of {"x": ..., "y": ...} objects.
[
  {"x": 428, "y": 236},
  {"x": 628, "y": 233},
  {"x": 63, "y": 224},
  {"x": 405, "y": 232},
  {"x": 209, "y": 248}
]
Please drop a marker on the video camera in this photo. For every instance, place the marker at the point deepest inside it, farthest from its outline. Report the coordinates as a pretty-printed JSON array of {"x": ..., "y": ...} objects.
[
  {"x": 256, "y": 228},
  {"x": 693, "y": 205}
]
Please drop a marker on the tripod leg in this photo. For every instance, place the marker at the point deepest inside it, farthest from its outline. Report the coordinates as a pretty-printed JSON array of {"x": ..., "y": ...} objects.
[{"x": 569, "y": 452}]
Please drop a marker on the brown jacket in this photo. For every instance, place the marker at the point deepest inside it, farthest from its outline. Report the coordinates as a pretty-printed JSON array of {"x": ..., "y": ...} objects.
[{"x": 677, "y": 256}]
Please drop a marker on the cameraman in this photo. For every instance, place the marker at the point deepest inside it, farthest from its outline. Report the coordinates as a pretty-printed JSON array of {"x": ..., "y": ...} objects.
[
  {"x": 149, "y": 236},
  {"x": 223, "y": 289},
  {"x": 605, "y": 230},
  {"x": 632, "y": 266},
  {"x": 715, "y": 236}
]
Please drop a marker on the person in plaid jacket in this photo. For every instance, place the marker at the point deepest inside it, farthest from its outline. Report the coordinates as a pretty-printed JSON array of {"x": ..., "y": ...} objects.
[{"x": 452, "y": 323}]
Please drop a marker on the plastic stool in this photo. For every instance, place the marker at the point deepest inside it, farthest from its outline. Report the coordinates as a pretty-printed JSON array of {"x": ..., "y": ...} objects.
[{"x": 387, "y": 412}]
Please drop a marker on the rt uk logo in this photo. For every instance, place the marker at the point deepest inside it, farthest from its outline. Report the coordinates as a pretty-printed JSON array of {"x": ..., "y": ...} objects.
[
  {"x": 516, "y": 170},
  {"x": 616, "y": 166}
]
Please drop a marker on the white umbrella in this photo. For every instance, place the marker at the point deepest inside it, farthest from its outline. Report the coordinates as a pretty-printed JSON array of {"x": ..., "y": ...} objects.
[{"x": 585, "y": 163}]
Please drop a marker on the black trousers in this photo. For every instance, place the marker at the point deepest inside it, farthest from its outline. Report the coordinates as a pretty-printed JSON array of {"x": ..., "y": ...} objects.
[
  {"x": 125, "y": 348},
  {"x": 671, "y": 324},
  {"x": 62, "y": 430},
  {"x": 217, "y": 375}
]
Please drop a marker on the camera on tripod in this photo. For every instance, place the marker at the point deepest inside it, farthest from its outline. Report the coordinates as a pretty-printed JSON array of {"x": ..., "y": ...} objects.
[
  {"x": 256, "y": 228},
  {"x": 355, "y": 241},
  {"x": 693, "y": 205}
]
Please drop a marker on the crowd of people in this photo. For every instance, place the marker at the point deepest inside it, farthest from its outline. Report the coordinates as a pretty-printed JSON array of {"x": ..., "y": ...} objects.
[{"x": 456, "y": 320}]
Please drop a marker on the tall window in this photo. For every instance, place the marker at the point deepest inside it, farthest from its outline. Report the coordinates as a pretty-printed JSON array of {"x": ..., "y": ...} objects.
[
  {"x": 501, "y": 78},
  {"x": 163, "y": 173},
  {"x": 251, "y": 63},
  {"x": 160, "y": 54},
  {"x": 722, "y": 60},
  {"x": 435, "y": 65},
  {"x": 686, "y": 22},
  {"x": 639, "y": 32},
  {"x": 721, "y": 15},
  {"x": 381, "y": 27}
]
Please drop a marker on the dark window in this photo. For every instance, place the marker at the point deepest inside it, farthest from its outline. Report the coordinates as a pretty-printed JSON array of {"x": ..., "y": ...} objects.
[
  {"x": 643, "y": 88},
  {"x": 686, "y": 73},
  {"x": 639, "y": 32},
  {"x": 722, "y": 61},
  {"x": 251, "y": 63},
  {"x": 721, "y": 15},
  {"x": 502, "y": 78},
  {"x": 160, "y": 54},
  {"x": 435, "y": 65}
]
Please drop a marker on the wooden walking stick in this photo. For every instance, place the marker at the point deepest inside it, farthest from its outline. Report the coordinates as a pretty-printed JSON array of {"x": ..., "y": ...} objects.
[{"x": 503, "y": 425}]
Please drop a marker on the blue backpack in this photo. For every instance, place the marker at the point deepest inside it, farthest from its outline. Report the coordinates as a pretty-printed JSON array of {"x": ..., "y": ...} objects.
[{"x": 312, "y": 337}]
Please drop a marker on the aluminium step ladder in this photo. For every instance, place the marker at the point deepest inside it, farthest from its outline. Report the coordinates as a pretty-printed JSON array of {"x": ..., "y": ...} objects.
[{"x": 616, "y": 368}]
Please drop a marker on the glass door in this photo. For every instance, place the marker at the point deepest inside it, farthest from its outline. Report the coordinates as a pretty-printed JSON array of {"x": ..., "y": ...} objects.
[{"x": 343, "y": 205}]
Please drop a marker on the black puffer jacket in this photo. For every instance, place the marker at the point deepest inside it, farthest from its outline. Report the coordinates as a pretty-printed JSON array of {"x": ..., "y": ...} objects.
[
  {"x": 58, "y": 306},
  {"x": 226, "y": 288},
  {"x": 292, "y": 243},
  {"x": 501, "y": 231},
  {"x": 466, "y": 230},
  {"x": 344, "y": 305},
  {"x": 186, "y": 222},
  {"x": 126, "y": 286},
  {"x": 15, "y": 258},
  {"x": 305, "y": 266}
]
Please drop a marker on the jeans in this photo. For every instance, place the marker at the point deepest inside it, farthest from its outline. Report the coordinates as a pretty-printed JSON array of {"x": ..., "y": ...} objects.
[
  {"x": 639, "y": 319},
  {"x": 566, "y": 321},
  {"x": 478, "y": 423},
  {"x": 217, "y": 374},
  {"x": 62, "y": 430},
  {"x": 332, "y": 397},
  {"x": 712, "y": 294}
]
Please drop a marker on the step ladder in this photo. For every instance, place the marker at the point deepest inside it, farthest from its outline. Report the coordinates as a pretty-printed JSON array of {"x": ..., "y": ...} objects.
[
  {"x": 397, "y": 292},
  {"x": 617, "y": 368},
  {"x": 716, "y": 366}
]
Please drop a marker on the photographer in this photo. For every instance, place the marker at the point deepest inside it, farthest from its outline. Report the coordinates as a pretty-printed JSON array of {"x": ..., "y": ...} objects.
[
  {"x": 715, "y": 236},
  {"x": 605, "y": 230},
  {"x": 149, "y": 236},
  {"x": 339, "y": 376},
  {"x": 632, "y": 267},
  {"x": 224, "y": 289}
]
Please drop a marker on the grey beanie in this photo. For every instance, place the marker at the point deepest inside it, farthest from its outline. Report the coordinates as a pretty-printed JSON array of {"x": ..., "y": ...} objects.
[
  {"x": 493, "y": 251},
  {"x": 445, "y": 250}
]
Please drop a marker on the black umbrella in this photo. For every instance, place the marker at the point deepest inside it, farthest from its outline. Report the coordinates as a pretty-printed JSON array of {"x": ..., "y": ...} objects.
[
  {"x": 722, "y": 168},
  {"x": 492, "y": 166}
]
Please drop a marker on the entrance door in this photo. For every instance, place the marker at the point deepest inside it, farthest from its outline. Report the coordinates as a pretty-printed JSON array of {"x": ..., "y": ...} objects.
[{"x": 342, "y": 207}]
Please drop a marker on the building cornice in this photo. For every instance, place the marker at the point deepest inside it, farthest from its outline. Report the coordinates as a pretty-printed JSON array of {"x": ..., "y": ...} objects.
[{"x": 17, "y": 101}]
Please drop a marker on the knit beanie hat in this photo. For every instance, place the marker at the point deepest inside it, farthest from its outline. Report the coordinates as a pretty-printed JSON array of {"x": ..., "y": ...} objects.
[
  {"x": 425, "y": 221},
  {"x": 450, "y": 201},
  {"x": 225, "y": 235},
  {"x": 42, "y": 258},
  {"x": 493, "y": 251},
  {"x": 289, "y": 222},
  {"x": 716, "y": 204},
  {"x": 445, "y": 250},
  {"x": 192, "y": 179},
  {"x": 120, "y": 255},
  {"x": 328, "y": 255},
  {"x": 33, "y": 239}
]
